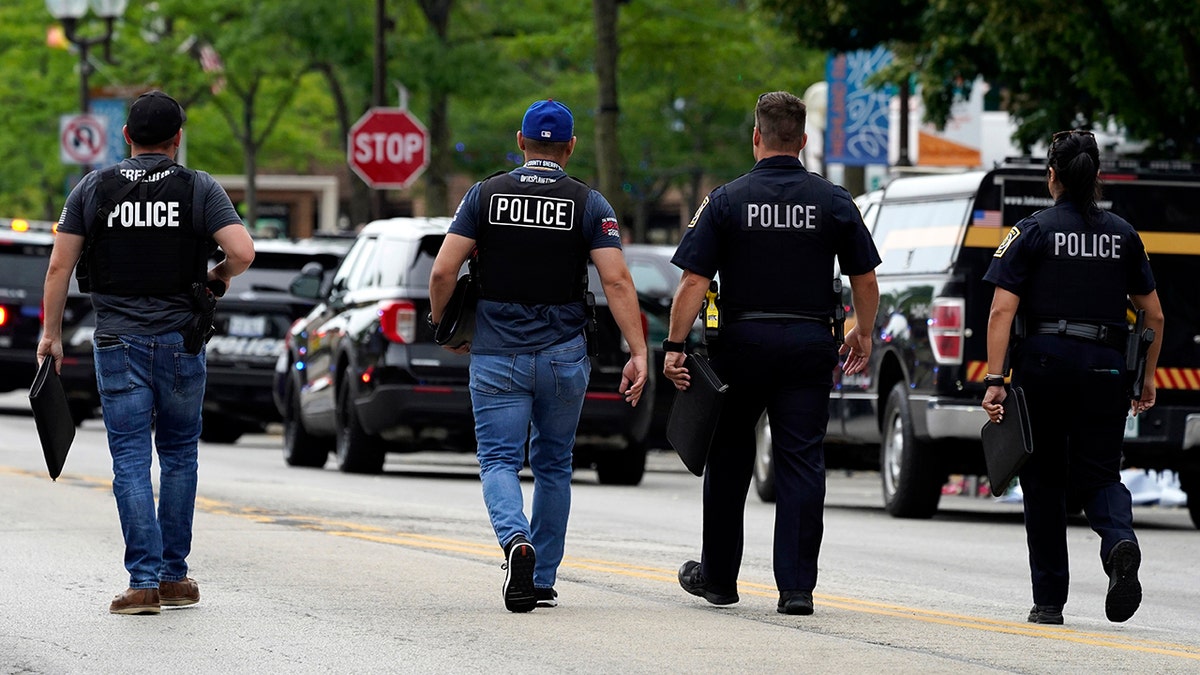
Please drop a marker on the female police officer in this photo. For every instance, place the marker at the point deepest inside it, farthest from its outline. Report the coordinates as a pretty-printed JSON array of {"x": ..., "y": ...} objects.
[{"x": 1068, "y": 271}]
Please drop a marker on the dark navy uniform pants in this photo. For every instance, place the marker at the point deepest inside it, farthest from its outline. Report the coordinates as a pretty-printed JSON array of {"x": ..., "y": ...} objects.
[
  {"x": 786, "y": 368},
  {"x": 1077, "y": 408}
]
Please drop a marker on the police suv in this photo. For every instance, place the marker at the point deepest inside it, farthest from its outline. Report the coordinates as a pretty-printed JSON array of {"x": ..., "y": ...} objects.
[
  {"x": 362, "y": 376},
  {"x": 918, "y": 403},
  {"x": 24, "y": 257}
]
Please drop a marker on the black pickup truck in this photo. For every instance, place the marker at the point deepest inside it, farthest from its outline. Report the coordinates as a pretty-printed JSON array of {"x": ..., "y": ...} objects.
[{"x": 917, "y": 405}]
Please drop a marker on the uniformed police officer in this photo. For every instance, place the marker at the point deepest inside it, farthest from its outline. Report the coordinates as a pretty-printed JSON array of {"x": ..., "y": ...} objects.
[
  {"x": 535, "y": 228},
  {"x": 773, "y": 235},
  {"x": 1068, "y": 271},
  {"x": 143, "y": 230}
]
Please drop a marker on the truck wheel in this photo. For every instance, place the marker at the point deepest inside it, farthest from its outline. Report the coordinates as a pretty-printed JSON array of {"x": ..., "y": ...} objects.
[
  {"x": 622, "y": 467},
  {"x": 80, "y": 410},
  {"x": 912, "y": 482},
  {"x": 301, "y": 448},
  {"x": 220, "y": 429},
  {"x": 764, "y": 467},
  {"x": 357, "y": 451}
]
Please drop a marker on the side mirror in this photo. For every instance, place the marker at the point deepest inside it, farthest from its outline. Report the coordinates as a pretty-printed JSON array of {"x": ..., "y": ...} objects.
[{"x": 308, "y": 283}]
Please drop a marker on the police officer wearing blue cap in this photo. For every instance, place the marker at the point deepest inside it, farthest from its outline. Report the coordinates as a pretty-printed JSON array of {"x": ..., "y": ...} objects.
[
  {"x": 534, "y": 229},
  {"x": 1068, "y": 272},
  {"x": 143, "y": 230},
  {"x": 772, "y": 235}
]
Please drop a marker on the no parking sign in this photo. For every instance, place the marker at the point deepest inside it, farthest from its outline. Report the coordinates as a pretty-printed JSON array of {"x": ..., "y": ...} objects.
[{"x": 83, "y": 139}]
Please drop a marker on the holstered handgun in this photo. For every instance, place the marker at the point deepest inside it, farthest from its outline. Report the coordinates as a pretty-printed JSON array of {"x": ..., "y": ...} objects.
[
  {"x": 711, "y": 313},
  {"x": 839, "y": 313},
  {"x": 201, "y": 328},
  {"x": 1137, "y": 346}
]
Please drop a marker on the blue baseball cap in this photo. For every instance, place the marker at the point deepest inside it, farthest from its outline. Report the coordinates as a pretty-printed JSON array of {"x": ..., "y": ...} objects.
[{"x": 548, "y": 121}]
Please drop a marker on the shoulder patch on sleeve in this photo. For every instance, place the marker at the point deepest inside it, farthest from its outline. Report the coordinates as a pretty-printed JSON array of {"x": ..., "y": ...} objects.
[
  {"x": 1008, "y": 240},
  {"x": 700, "y": 210}
]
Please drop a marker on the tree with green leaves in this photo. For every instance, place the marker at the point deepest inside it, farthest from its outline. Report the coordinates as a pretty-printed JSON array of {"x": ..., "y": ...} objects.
[{"x": 1134, "y": 63}]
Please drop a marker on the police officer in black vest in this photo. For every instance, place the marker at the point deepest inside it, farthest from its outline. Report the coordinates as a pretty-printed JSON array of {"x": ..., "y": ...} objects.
[
  {"x": 535, "y": 228},
  {"x": 142, "y": 231},
  {"x": 773, "y": 235},
  {"x": 1068, "y": 273}
]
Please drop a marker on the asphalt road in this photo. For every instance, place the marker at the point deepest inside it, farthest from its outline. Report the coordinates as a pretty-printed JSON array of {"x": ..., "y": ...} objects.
[{"x": 315, "y": 571}]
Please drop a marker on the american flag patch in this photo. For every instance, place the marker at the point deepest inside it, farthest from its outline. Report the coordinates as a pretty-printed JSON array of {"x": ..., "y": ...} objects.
[{"x": 983, "y": 218}]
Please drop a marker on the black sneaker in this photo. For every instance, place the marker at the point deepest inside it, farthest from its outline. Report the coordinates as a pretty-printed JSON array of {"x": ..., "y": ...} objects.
[
  {"x": 1050, "y": 614},
  {"x": 693, "y": 582},
  {"x": 546, "y": 597},
  {"x": 518, "y": 582},
  {"x": 1124, "y": 589},
  {"x": 795, "y": 602}
]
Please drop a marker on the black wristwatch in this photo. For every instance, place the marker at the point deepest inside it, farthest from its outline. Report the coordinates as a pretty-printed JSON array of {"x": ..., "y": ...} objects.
[
  {"x": 429, "y": 320},
  {"x": 993, "y": 381},
  {"x": 669, "y": 346}
]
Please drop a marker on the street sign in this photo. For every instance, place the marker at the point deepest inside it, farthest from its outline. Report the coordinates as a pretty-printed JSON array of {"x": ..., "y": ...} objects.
[
  {"x": 388, "y": 148},
  {"x": 82, "y": 139}
]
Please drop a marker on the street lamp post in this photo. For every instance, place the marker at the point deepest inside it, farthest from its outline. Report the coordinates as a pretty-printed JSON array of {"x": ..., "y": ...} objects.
[{"x": 69, "y": 13}]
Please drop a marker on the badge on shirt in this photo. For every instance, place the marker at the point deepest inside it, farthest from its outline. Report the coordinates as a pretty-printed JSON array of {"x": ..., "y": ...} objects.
[{"x": 1008, "y": 240}]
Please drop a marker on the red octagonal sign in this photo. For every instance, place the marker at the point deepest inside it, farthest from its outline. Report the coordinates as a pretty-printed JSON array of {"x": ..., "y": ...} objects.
[{"x": 388, "y": 148}]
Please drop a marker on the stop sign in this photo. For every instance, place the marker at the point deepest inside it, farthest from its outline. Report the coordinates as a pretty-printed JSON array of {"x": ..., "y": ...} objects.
[{"x": 388, "y": 148}]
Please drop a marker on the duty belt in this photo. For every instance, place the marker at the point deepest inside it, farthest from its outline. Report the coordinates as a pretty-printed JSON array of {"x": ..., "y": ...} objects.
[
  {"x": 1105, "y": 335},
  {"x": 752, "y": 315}
]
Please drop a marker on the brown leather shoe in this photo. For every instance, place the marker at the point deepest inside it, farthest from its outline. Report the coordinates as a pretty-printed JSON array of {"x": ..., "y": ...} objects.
[
  {"x": 179, "y": 593},
  {"x": 136, "y": 601}
]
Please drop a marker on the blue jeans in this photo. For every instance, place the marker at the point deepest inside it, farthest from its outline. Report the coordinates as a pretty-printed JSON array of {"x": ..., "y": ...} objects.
[
  {"x": 149, "y": 384},
  {"x": 535, "y": 397}
]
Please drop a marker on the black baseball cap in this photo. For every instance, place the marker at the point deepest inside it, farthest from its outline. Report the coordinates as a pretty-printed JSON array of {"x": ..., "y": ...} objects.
[{"x": 153, "y": 118}]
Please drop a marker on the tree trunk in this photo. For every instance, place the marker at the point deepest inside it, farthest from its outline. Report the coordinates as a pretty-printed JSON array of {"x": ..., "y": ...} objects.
[
  {"x": 437, "y": 193},
  {"x": 608, "y": 150},
  {"x": 250, "y": 159}
]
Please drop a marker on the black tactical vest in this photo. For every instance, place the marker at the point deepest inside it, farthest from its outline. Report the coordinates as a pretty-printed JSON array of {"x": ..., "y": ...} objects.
[
  {"x": 779, "y": 257},
  {"x": 1082, "y": 272},
  {"x": 530, "y": 239},
  {"x": 147, "y": 244}
]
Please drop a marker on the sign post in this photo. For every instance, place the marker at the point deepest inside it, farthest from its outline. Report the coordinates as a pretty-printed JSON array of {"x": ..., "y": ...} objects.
[{"x": 388, "y": 148}]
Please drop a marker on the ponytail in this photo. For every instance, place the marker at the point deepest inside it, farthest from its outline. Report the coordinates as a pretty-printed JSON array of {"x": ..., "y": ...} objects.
[{"x": 1075, "y": 158}]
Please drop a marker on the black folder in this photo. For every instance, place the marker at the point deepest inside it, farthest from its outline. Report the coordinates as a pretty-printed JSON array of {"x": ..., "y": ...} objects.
[
  {"x": 458, "y": 320},
  {"x": 1007, "y": 445},
  {"x": 694, "y": 414},
  {"x": 55, "y": 427}
]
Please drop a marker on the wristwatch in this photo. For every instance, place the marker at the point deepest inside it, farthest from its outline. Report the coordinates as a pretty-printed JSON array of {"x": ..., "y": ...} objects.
[
  {"x": 669, "y": 346},
  {"x": 429, "y": 320},
  {"x": 993, "y": 381}
]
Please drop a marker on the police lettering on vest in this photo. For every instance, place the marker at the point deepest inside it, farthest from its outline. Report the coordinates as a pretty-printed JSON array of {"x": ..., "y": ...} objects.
[
  {"x": 151, "y": 214},
  {"x": 531, "y": 211},
  {"x": 1087, "y": 245},
  {"x": 781, "y": 217}
]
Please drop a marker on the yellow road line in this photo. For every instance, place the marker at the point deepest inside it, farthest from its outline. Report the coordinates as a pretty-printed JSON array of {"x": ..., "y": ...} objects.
[{"x": 489, "y": 550}]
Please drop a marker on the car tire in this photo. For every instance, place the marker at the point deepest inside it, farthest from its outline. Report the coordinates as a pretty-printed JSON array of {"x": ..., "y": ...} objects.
[
  {"x": 357, "y": 451},
  {"x": 912, "y": 481},
  {"x": 622, "y": 467},
  {"x": 301, "y": 448},
  {"x": 220, "y": 429},
  {"x": 764, "y": 466}
]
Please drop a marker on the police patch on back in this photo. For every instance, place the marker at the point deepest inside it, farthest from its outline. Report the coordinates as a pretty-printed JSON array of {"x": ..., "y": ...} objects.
[
  {"x": 531, "y": 211},
  {"x": 760, "y": 217}
]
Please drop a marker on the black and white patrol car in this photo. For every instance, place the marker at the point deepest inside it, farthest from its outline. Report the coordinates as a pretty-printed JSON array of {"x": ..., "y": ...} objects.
[{"x": 252, "y": 321}]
